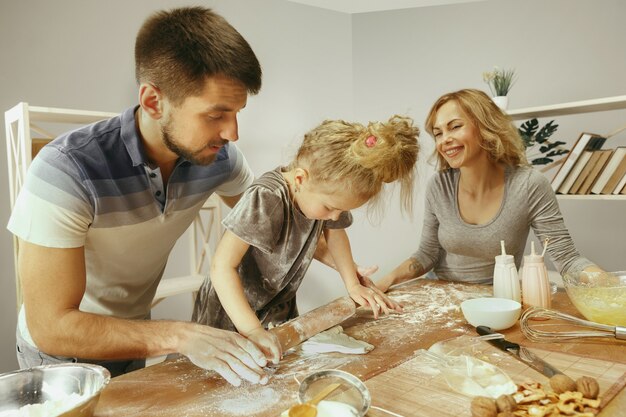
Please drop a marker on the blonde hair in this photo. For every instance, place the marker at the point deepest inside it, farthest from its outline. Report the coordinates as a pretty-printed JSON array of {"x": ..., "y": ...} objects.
[
  {"x": 360, "y": 159},
  {"x": 498, "y": 134}
]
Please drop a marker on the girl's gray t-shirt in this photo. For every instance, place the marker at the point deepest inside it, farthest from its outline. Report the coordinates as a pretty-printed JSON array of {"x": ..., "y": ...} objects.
[
  {"x": 282, "y": 244},
  {"x": 459, "y": 251}
]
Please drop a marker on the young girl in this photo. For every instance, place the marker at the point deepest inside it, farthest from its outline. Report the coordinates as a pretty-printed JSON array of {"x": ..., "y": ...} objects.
[{"x": 273, "y": 232}]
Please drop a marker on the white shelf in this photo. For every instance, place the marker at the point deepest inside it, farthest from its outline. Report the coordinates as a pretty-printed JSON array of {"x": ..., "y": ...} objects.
[
  {"x": 574, "y": 107},
  {"x": 57, "y": 115},
  {"x": 606, "y": 197}
]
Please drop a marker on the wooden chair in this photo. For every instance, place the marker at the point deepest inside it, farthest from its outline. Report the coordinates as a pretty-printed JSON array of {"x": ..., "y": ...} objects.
[{"x": 23, "y": 120}]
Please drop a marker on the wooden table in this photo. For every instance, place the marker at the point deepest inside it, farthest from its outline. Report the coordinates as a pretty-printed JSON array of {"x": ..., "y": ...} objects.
[{"x": 432, "y": 314}]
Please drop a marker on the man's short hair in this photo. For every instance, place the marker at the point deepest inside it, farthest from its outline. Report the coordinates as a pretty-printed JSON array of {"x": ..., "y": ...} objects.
[{"x": 177, "y": 50}]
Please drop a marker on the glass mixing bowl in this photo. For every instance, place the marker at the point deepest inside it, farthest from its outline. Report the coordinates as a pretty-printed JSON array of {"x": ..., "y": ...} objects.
[{"x": 599, "y": 296}]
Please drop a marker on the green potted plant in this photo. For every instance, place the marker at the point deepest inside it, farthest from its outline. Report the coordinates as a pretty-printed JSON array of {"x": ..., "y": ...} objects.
[
  {"x": 500, "y": 82},
  {"x": 539, "y": 149}
]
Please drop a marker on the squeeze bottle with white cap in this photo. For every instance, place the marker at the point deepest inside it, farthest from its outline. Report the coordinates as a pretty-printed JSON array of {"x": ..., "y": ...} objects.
[
  {"x": 505, "y": 279},
  {"x": 535, "y": 283}
]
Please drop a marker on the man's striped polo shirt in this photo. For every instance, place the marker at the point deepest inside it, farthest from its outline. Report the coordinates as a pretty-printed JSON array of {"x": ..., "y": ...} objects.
[{"x": 93, "y": 187}]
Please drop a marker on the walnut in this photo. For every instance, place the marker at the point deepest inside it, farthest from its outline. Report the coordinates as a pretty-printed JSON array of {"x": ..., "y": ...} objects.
[
  {"x": 484, "y": 407},
  {"x": 562, "y": 383},
  {"x": 588, "y": 386},
  {"x": 506, "y": 403}
]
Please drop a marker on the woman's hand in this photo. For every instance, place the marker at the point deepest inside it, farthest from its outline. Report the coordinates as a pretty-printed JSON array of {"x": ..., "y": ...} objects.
[
  {"x": 267, "y": 342},
  {"x": 374, "y": 298},
  {"x": 384, "y": 283},
  {"x": 407, "y": 270}
]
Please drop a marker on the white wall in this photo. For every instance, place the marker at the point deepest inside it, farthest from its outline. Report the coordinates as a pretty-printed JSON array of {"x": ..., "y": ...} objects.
[{"x": 319, "y": 64}]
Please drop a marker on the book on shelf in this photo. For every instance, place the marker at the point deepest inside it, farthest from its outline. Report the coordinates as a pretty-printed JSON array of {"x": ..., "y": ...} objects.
[
  {"x": 621, "y": 185},
  {"x": 615, "y": 178},
  {"x": 584, "y": 173},
  {"x": 574, "y": 172},
  {"x": 623, "y": 192},
  {"x": 611, "y": 166},
  {"x": 585, "y": 142},
  {"x": 602, "y": 158}
]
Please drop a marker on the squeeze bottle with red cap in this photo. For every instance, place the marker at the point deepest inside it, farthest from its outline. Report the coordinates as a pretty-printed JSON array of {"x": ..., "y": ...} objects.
[
  {"x": 505, "y": 279},
  {"x": 535, "y": 283}
]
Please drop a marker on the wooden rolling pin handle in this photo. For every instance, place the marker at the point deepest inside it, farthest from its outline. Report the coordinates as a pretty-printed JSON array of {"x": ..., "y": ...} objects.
[{"x": 296, "y": 331}]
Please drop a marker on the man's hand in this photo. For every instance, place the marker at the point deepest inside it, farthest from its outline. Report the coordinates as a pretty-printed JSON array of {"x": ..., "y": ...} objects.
[{"x": 228, "y": 353}]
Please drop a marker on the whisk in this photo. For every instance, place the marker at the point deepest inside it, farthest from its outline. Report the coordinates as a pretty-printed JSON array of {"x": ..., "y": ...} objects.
[{"x": 534, "y": 331}]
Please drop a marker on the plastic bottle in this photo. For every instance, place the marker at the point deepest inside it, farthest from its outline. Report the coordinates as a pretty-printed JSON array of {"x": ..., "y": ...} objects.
[
  {"x": 535, "y": 283},
  {"x": 505, "y": 280}
]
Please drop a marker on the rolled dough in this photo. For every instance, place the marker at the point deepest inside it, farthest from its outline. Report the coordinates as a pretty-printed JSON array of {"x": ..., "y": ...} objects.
[{"x": 335, "y": 340}]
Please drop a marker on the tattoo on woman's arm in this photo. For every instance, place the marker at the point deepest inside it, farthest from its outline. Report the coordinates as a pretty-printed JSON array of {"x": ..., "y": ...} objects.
[{"x": 415, "y": 268}]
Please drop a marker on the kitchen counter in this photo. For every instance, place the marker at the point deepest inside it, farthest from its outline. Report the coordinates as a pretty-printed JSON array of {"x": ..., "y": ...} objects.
[{"x": 394, "y": 378}]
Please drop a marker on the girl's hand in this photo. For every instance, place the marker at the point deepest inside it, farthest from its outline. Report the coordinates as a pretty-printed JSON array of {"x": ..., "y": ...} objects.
[
  {"x": 376, "y": 287},
  {"x": 267, "y": 342},
  {"x": 373, "y": 298},
  {"x": 363, "y": 274}
]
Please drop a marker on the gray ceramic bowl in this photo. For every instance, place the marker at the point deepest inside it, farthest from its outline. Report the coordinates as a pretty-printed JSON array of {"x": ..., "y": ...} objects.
[{"x": 58, "y": 386}]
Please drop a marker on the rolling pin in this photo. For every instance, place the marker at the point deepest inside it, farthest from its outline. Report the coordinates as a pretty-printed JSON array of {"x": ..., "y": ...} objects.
[{"x": 297, "y": 330}]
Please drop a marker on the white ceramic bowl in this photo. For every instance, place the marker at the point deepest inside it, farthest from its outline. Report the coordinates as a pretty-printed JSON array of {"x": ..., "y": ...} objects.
[{"x": 497, "y": 313}]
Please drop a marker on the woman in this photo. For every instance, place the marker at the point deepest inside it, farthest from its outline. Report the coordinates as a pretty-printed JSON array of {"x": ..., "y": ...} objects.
[{"x": 485, "y": 192}]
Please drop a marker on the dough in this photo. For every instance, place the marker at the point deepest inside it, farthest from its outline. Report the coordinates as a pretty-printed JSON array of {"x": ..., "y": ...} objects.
[{"x": 335, "y": 340}]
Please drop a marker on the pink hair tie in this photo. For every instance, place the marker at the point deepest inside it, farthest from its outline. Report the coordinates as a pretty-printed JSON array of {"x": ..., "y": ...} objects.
[{"x": 370, "y": 141}]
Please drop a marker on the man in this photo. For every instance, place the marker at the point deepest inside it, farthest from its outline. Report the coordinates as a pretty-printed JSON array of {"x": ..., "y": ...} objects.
[{"x": 103, "y": 206}]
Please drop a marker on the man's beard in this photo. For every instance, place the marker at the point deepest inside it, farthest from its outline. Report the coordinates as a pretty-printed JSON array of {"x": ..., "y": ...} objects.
[{"x": 190, "y": 156}]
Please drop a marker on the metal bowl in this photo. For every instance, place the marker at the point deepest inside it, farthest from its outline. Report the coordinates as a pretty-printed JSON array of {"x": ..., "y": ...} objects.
[
  {"x": 599, "y": 296},
  {"x": 352, "y": 391},
  {"x": 66, "y": 390}
]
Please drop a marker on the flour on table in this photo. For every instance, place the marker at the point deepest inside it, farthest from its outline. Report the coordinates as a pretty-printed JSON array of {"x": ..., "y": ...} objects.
[
  {"x": 248, "y": 403},
  {"x": 49, "y": 408},
  {"x": 335, "y": 340}
]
